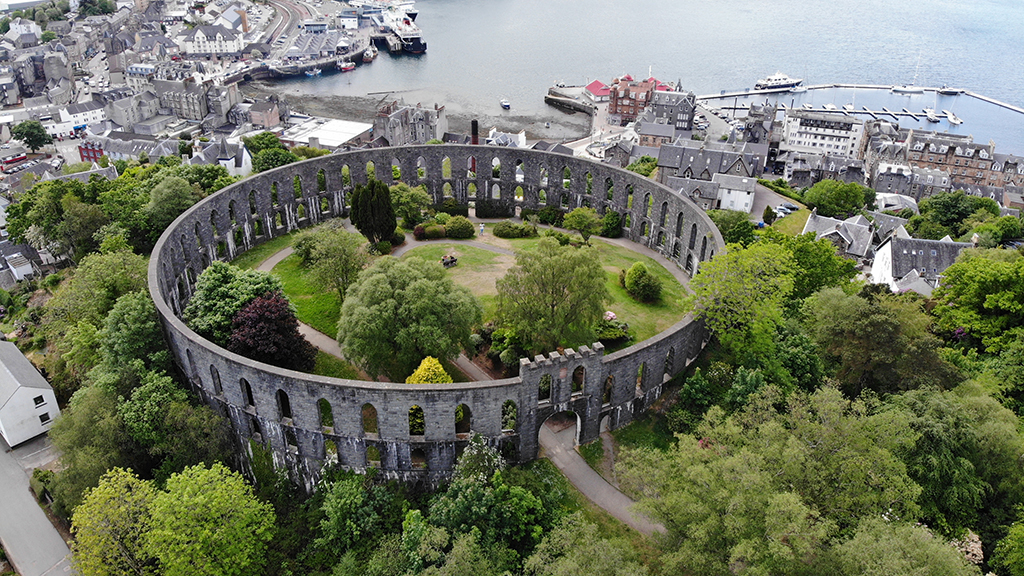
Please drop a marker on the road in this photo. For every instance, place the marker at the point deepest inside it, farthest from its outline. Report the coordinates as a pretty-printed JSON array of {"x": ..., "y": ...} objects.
[{"x": 32, "y": 543}]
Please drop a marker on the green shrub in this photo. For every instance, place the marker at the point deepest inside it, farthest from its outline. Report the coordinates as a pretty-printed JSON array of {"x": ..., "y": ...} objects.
[
  {"x": 40, "y": 483},
  {"x": 383, "y": 247},
  {"x": 563, "y": 238},
  {"x": 550, "y": 215},
  {"x": 442, "y": 218},
  {"x": 611, "y": 224},
  {"x": 450, "y": 206},
  {"x": 434, "y": 232},
  {"x": 459, "y": 228},
  {"x": 477, "y": 341},
  {"x": 398, "y": 238},
  {"x": 612, "y": 331},
  {"x": 641, "y": 284},
  {"x": 509, "y": 229}
]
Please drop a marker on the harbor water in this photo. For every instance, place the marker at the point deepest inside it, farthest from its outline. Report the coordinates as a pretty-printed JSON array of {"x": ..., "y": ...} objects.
[{"x": 482, "y": 51}]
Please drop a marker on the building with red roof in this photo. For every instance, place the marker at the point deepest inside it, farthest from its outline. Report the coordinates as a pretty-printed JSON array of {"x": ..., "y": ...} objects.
[{"x": 597, "y": 91}]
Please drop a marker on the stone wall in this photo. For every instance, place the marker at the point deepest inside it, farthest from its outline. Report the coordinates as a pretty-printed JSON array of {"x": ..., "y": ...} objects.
[{"x": 285, "y": 410}]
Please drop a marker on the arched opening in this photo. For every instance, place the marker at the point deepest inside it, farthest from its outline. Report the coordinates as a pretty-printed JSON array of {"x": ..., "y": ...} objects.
[
  {"x": 628, "y": 221},
  {"x": 543, "y": 177},
  {"x": 679, "y": 224},
  {"x": 418, "y": 458},
  {"x": 330, "y": 451},
  {"x": 326, "y": 413},
  {"x": 542, "y": 197},
  {"x": 544, "y": 388},
  {"x": 215, "y": 376},
  {"x": 578, "y": 377},
  {"x": 471, "y": 190},
  {"x": 321, "y": 181},
  {"x": 670, "y": 360},
  {"x": 417, "y": 424},
  {"x": 284, "y": 407},
  {"x": 640, "y": 374},
  {"x": 300, "y": 211},
  {"x": 509, "y": 416},
  {"x": 561, "y": 428},
  {"x": 629, "y": 197},
  {"x": 463, "y": 420},
  {"x": 703, "y": 247},
  {"x": 325, "y": 206},
  {"x": 664, "y": 214},
  {"x": 693, "y": 235},
  {"x": 372, "y": 456},
  {"x": 254, "y": 430},
  {"x": 606, "y": 392},
  {"x": 396, "y": 170},
  {"x": 222, "y": 249},
  {"x": 231, "y": 213},
  {"x": 565, "y": 200},
  {"x": 520, "y": 175},
  {"x": 192, "y": 370},
  {"x": 644, "y": 229},
  {"x": 257, "y": 228},
  {"x": 676, "y": 250},
  {"x": 278, "y": 221},
  {"x": 297, "y": 186},
  {"x": 495, "y": 192},
  {"x": 689, "y": 264},
  {"x": 566, "y": 177},
  {"x": 247, "y": 394},
  {"x": 661, "y": 238},
  {"x": 213, "y": 223},
  {"x": 648, "y": 205},
  {"x": 291, "y": 440},
  {"x": 446, "y": 190},
  {"x": 273, "y": 193},
  {"x": 421, "y": 168},
  {"x": 471, "y": 167},
  {"x": 346, "y": 176},
  {"x": 495, "y": 168},
  {"x": 446, "y": 167},
  {"x": 369, "y": 416},
  {"x": 239, "y": 237},
  {"x": 590, "y": 183},
  {"x": 199, "y": 237},
  {"x": 371, "y": 170},
  {"x": 519, "y": 193},
  {"x": 609, "y": 189}
]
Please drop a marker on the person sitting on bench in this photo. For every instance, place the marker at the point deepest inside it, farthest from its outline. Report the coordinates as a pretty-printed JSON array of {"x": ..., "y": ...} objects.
[{"x": 449, "y": 261}]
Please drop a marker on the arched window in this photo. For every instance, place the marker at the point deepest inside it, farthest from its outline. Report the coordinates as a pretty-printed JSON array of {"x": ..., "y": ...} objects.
[
  {"x": 213, "y": 223},
  {"x": 321, "y": 181},
  {"x": 326, "y": 413},
  {"x": 509, "y": 416},
  {"x": 417, "y": 424},
  {"x": 609, "y": 189},
  {"x": 463, "y": 419},
  {"x": 590, "y": 183},
  {"x": 372, "y": 456},
  {"x": 284, "y": 407},
  {"x": 421, "y": 168},
  {"x": 231, "y": 213},
  {"x": 495, "y": 192},
  {"x": 640, "y": 375},
  {"x": 693, "y": 235},
  {"x": 346, "y": 176},
  {"x": 578, "y": 376},
  {"x": 325, "y": 206},
  {"x": 330, "y": 451},
  {"x": 247, "y": 394},
  {"x": 648, "y": 205},
  {"x": 520, "y": 175},
  {"x": 644, "y": 230},
  {"x": 566, "y": 177},
  {"x": 606, "y": 394},
  {"x": 300, "y": 211},
  {"x": 628, "y": 222},
  {"x": 664, "y": 214},
  {"x": 215, "y": 376},
  {"x": 297, "y": 185},
  {"x": 418, "y": 459},
  {"x": 273, "y": 193},
  {"x": 371, "y": 170},
  {"x": 670, "y": 359},
  {"x": 495, "y": 168},
  {"x": 544, "y": 388},
  {"x": 629, "y": 197},
  {"x": 679, "y": 224},
  {"x": 703, "y": 247},
  {"x": 446, "y": 167},
  {"x": 661, "y": 238},
  {"x": 369, "y": 414},
  {"x": 252, "y": 202}
]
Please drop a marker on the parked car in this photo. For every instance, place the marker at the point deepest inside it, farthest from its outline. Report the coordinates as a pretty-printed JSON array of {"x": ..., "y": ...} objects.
[
  {"x": 792, "y": 207},
  {"x": 782, "y": 210}
]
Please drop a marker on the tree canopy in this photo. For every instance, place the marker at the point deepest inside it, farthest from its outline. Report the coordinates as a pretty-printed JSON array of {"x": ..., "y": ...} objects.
[
  {"x": 838, "y": 199},
  {"x": 266, "y": 330},
  {"x": 429, "y": 371},
  {"x": 554, "y": 295},
  {"x": 981, "y": 298},
  {"x": 221, "y": 291},
  {"x": 33, "y": 134},
  {"x": 110, "y": 525},
  {"x": 401, "y": 311},
  {"x": 208, "y": 522},
  {"x": 333, "y": 256},
  {"x": 735, "y": 226},
  {"x": 372, "y": 211},
  {"x": 583, "y": 220},
  {"x": 271, "y": 158},
  {"x": 262, "y": 141}
]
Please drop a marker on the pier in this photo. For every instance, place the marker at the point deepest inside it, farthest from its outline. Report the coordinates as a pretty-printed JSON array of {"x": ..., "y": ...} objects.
[{"x": 569, "y": 98}]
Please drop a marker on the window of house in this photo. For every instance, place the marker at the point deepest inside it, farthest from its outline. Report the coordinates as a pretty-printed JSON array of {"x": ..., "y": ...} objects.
[
  {"x": 44, "y": 417},
  {"x": 39, "y": 401},
  {"x": 933, "y": 252}
]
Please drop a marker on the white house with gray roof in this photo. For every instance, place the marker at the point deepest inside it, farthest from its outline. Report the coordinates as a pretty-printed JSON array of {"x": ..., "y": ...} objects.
[
  {"x": 914, "y": 264},
  {"x": 28, "y": 405}
]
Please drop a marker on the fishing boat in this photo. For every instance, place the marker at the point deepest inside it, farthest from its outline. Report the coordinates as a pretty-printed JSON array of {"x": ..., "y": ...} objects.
[
  {"x": 931, "y": 116},
  {"x": 346, "y": 66},
  {"x": 313, "y": 72},
  {"x": 505, "y": 103},
  {"x": 369, "y": 54}
]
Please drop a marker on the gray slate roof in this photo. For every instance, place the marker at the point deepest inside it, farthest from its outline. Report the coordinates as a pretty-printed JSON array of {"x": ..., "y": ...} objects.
[
  {"x": 17, "y": 372},
  {"x": 856, "y": 233},
  {"x": 929, "y": 258}
]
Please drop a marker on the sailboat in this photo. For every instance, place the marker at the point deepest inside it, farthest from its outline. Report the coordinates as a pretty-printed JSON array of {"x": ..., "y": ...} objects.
[{"x": 910, "y": 88}]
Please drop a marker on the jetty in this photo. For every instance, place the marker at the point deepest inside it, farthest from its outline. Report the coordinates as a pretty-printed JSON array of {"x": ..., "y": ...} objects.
[{"x": 569, "y": 98}]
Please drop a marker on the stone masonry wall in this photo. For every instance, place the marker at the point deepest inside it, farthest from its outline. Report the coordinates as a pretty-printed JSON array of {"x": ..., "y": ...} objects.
[{"x": 283, "y": 410}]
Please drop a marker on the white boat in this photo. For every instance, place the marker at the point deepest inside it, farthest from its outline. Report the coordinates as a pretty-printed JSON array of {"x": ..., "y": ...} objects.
[
  {"x": 798, "y": 89},
  {"x": 953, "y": 119},
  {"x": 808, "y": 106},
  {"x": 931, "y": 116},
  {"x": 346, "y": 66},
  {"x": 777, "y": 81},
  {"x": 947, "y": 91},
  {"x": 505, "y": 103},
  {"x": 848, "y": 107},
  {"x": 830, "y": 107},
  {"x": 907, "y": 89},
  {"x": 313, "y": 72},
  {"x": 369, "y": 54}
]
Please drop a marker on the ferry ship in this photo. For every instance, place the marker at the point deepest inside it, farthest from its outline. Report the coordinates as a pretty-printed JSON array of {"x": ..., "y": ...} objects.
[
  {"x": 397, "y": 17},
  {"x": 777, "y": 81}
]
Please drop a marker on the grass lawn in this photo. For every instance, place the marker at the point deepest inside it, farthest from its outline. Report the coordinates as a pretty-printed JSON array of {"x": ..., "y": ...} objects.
[
  {"x": 793, "y": 224},
  {"x": 320, "y": 309},
  {"x": 650, "y": 432},
  {"x": 252, "y": 258},
  {"x": 477, "y": 269},
  {"x": 327, "y": 365},
  {"x": 593, "y": 453}
]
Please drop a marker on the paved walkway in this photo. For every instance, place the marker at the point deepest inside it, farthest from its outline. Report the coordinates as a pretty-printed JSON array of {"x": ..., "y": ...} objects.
[
  {"x": 559, "y": 448},
  {"x": 34, "y": 546}
]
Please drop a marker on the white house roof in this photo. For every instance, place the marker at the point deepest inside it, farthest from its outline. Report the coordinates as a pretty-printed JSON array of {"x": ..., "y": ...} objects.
[{"x": 17, "y": 372}]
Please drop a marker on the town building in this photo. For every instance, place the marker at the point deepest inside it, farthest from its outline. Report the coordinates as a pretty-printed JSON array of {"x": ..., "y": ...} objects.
[
  {"x": 835, "y": 134},
  {"x": 210, "y": 41},
  {"x": 851, "y": 237},
  {"x": 914, "y": 264},
  {"x": 28, "y": 406},
  {"x": 735, "y": 192},
  {"x": 628, "y": 97},
  {"x": 701, "y": 160},
  {"x": 400, "y": 125}
]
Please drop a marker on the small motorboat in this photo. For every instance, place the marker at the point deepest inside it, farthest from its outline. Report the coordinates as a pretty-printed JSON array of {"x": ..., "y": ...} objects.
[
  {"x": 370, "y": 54},
  {"x": 953, "y": 118},
  {"x": 346, "y": 66},
  {"x": 947, "y": 91},
  {"x": 313, "y": 72},
  {"x": 931, "y": 116},
  {"x": 907, "y": 89},
  {"x": 505, "y": 103}
]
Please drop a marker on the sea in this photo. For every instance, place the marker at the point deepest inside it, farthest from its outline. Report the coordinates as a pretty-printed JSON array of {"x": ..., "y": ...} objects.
[{"x": 480, "y": 51}]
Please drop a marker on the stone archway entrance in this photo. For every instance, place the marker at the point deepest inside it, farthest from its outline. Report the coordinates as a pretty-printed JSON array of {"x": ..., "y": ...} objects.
[{"x": 562, "y": 428}]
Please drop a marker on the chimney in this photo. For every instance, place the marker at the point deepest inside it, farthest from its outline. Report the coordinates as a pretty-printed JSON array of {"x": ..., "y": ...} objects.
[{"x": 475, "y": 132}]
